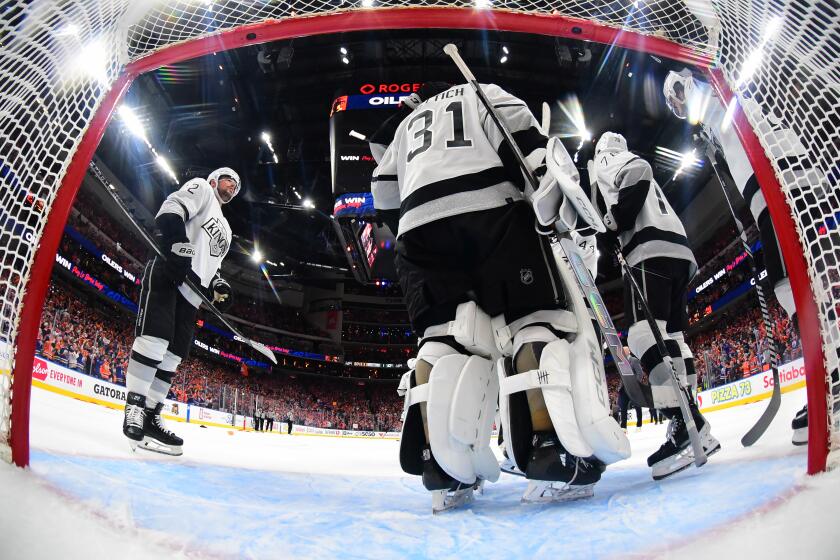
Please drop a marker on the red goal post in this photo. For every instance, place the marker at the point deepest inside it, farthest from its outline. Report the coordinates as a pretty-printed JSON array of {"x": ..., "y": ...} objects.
[{"x": 64, "y": 67}]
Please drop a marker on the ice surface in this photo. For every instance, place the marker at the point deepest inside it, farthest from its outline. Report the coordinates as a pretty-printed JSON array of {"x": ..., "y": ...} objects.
[{"x": 256, "y": 495}]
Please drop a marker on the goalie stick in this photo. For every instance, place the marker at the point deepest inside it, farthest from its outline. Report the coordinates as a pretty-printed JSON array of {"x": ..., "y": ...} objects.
[
  {"x": 699, "y": 455},
  {"x": 258, "y": 346},
  {"x": 769, "y": 413}
]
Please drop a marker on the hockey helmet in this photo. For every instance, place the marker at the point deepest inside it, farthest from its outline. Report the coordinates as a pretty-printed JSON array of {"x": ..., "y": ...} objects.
[
  {"x": 225, "y": 173},
  {"x": 678, "y": 89},
  {"x": 612, "y": 141}
]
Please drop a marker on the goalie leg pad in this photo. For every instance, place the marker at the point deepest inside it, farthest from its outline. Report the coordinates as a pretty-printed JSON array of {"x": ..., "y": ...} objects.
[
  {"x": 463, "y": 391},
  {"x": 573, "y": 387},
  {"x": 413, "y": 439}
]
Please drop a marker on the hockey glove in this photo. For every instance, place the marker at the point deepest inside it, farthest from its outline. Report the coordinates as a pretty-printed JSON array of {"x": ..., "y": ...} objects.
[
  {"x": 174, "y": 238},
  {"x": 546, "y": 201},
  {"x": 222, "y": 294}
]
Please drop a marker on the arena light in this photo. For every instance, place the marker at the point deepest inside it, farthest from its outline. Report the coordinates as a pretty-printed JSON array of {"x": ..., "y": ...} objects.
[
  {"x": 483, "y": 4},
  {"x": 753, "y": 61},
  {"x": 726, "y": 122},
  {"x": 133, "y": 124},
  {"x": 92, "y": 61},
  {"x": 307, "y": 203},
  {"x": 257, "y": 256},
  {"x": 266, "y": 137},
  {"x": 367, "y": 3},
  {"x": 163, "y": 164},
  {"x": 575, "y": 125},
  {"x": 69, "y": 30},
  {"x": 697, "y": 106},
  {"x": 687, "y": 160}
]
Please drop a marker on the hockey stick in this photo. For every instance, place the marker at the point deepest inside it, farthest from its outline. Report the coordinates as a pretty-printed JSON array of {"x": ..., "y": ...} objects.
[
  {"x": 699, "y": 454},
  {"x": 769, "y": 413},
  {"x": 258, "y": 346}
]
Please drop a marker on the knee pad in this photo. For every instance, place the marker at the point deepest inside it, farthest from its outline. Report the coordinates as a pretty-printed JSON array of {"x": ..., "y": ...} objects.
[
  {"x": 571, "y": 379},
  {"x": 169, "y": 362},
  {"x": 642, "y": 344},
  {"x": 150, "y": 347},
  {"x": 784, "y": 294},
  {"x": 471, "y": 328},
  {"x": 679, "y": 337}
]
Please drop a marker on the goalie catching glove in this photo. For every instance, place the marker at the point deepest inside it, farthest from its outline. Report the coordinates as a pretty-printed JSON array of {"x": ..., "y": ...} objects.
[
  {"x": 559, "y": 197},
  {"x": 222, "y": 293}
]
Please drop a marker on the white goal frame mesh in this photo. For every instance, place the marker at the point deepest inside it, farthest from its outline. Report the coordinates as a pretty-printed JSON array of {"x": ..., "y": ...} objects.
[{"x": 64, "y": 66}]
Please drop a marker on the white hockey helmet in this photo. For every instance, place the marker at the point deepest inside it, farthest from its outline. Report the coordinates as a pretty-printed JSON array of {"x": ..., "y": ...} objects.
[
  {"x": 678, "y": 89},
  {"x": 225, "y": 173},
  {"x": 612, "y": 141}
]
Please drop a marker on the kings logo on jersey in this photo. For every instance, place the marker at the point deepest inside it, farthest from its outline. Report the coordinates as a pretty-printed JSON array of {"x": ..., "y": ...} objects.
[{"x": 218, "y": 235}]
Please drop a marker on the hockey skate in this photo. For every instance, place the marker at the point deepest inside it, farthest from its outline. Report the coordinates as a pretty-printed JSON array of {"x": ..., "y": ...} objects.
[
  {"x": 508, "y": 466},
  {"x": 555, "y": 475},
  {"x": 446, "y": 499},
  {"x": 676, "y": 454},
  {"x": 800, "y": 427},
  {"x": 134, "y": 419},
  {"x": 156, "y": 437},
  {"x": 447, "y": 493}
]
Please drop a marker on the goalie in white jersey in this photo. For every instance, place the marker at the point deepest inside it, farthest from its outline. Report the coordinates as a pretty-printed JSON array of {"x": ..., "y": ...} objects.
[
  {"x": 692, "y": 99},
  {"x": 482, "y": 289},
  {"x": 195, "y": 236},
  {"x": 655, "y": 246}
]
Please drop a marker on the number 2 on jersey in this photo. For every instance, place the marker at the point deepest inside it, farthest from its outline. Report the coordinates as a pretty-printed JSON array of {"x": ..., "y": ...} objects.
[{"x": 456, "y": 108}]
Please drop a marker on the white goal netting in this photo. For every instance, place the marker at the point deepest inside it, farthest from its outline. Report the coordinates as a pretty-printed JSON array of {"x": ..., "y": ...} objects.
[{"x": 59, "y": 59}]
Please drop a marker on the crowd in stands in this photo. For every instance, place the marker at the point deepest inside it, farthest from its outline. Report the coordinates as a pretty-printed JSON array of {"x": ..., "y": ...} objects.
[
  {"x": 105, "y": 232},
  {"x": 94, "y": 337},
  {"x": 737, "y": 346}
]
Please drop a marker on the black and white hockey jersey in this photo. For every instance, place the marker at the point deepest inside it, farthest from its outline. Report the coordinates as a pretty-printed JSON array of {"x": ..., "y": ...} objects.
[
  {"x": 448, "y": 158},
  {"x": 207, "y": 229},
  {"x": 784, "y": 146},
  {"x": 646, "y": 224}
]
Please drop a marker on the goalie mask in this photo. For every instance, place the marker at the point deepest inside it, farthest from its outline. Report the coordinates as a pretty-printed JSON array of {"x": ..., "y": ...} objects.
[
  {"x": 678, "y": 89},
  {"x": 224, "y": 173},
  {"x": 612, "y": 141}
]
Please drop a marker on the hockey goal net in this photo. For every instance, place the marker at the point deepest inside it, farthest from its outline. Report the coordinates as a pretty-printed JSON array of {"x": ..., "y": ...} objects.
[{"x": 64, "y": 66}]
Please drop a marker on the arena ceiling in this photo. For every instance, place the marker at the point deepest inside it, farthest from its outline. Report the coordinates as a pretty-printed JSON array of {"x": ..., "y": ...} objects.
[{"x": 212, "y": 111}]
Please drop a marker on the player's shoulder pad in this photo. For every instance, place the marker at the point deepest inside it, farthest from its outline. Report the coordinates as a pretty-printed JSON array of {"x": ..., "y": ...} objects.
[{"x": 199, "y": 182}]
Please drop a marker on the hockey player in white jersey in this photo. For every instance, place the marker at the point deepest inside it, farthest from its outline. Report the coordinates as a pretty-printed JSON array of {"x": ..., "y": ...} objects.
[
  {"x": 195, "y": 236},
  {"x": 482, "y": 288},
  {"x": 689, "y": 98},
  {"x": 655, "y": 246}
]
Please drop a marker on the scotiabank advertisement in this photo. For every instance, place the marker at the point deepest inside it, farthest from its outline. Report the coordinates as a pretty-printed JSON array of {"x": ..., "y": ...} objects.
[{"x": 753, "y": 388}]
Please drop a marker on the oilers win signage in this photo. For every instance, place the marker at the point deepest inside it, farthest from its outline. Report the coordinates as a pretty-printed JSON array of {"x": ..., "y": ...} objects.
[{"x": 351, "y": 163}]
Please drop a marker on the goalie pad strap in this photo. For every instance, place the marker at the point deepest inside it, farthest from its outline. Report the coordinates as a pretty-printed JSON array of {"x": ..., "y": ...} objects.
[
  {"x": 556, "y": 319},
  {"x": 534, "y": 379}
]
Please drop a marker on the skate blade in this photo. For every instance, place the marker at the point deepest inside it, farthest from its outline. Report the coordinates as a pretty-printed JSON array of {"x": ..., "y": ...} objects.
[
  {"x": 132, "y": 444},
  {"x": 800, "y": 436},
  {"x": 544, "y": 492},
  {"x": 444, "y": 500},
  {"x": 508, "y": 467},
  {"x": 673, "y": 465},
  {"x": 157, "y": 447}
]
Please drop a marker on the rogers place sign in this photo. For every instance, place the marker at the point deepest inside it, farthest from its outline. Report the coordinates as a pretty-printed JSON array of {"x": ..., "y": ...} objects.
[{"x": 367, "y": 89}]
